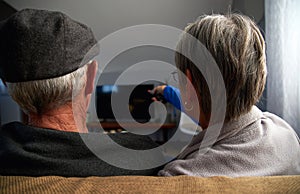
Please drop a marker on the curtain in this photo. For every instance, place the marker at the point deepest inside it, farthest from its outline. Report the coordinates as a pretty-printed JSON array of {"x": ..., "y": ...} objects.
[{"x": 283, "y": 59}]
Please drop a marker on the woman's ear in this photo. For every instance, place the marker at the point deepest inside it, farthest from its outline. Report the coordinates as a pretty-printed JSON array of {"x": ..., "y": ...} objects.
[
  {"x": 91, "y": 76},
  {"x": 189, "y": 85}
]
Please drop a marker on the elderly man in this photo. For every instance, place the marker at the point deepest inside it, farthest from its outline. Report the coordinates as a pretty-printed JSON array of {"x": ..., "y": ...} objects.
[{"x": 41, "y": 64}]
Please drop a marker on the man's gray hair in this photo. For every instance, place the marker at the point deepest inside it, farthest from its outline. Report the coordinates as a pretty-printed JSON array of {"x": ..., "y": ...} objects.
[{"x": 43, "y": 95}]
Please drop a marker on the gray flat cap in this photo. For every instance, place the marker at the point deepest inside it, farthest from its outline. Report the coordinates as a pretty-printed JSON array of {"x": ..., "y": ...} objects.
[{"x": 40, "y": 44}]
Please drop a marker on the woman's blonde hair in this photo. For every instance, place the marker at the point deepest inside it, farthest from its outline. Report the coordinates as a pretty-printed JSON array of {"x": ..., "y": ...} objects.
[{"x": 238, "y": 48}]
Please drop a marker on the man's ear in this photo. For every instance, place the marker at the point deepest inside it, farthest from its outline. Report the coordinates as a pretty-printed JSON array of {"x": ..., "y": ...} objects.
[{"x": 91, "y": 76}]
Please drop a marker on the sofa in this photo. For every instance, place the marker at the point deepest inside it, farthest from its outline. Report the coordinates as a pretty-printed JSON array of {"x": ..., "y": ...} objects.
[{"x": 148, "y": 184}]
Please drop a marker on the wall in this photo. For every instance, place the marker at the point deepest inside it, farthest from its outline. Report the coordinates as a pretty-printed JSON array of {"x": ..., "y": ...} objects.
[
  {"x": 253, "y": 8},
  {"x": 107, "y": 16},
  {"x": 9, "y": 110},
  {"x": 5, "y": 10}
]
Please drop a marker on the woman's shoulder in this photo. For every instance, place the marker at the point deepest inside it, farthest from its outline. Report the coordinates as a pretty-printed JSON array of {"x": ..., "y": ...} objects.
[{"x": 277, "y": 126}]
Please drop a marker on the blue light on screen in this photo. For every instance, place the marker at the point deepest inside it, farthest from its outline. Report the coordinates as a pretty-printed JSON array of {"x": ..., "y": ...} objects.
[{"x": 109, "y": 89}]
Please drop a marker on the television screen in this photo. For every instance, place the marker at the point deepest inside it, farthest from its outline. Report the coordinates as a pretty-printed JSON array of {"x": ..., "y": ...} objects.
[{"x": 126, "y": 98}]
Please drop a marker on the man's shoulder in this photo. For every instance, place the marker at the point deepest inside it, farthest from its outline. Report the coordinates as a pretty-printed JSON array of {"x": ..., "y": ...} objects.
[
  {"x": 134, "y": 141},
  {"x": 11, "y": 128}
]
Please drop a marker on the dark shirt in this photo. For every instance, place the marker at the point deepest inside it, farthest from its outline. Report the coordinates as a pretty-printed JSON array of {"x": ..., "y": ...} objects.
[{"x": 30, "y": 151}]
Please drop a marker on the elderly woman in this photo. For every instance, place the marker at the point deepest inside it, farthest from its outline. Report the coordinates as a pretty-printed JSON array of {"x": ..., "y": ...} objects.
[{"x": 250, "y": 142}]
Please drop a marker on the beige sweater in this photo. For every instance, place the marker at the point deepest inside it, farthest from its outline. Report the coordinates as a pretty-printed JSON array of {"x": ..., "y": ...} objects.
[{"x": 257, "y": 144}]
